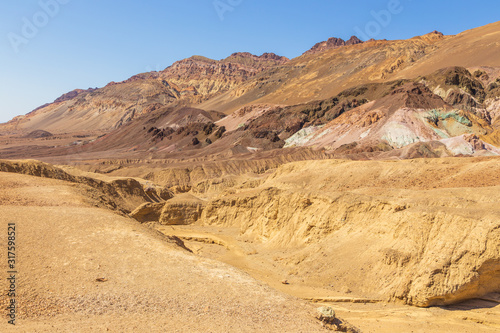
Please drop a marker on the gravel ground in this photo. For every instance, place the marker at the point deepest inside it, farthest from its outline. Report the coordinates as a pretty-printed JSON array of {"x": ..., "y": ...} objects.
[{"x": 64, "y": 245}]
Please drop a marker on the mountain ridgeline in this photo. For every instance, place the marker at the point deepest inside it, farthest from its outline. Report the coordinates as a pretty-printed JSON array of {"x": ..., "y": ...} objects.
[{"x": 369, "y": 99}]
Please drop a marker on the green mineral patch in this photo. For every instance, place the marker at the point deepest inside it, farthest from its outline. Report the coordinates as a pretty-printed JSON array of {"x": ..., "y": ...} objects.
[
  {"x": 434, "y": 116},
  {"x": 440, "y": 133}
]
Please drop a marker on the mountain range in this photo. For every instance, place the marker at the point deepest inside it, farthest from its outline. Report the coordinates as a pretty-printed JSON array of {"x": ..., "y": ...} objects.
[{"x": 431, "y": 95}]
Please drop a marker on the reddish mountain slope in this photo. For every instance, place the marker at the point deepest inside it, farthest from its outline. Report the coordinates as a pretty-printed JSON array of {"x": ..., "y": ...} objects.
[{"x": 187, "y": 81}]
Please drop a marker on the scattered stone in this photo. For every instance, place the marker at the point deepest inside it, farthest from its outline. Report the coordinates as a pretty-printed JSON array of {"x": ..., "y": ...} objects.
[
  {"x": 101, "y": 280},
  {"x": 326, "y": 315},
  {"x": 346, "y": 290},
  {"x": 306, "y": 203}
]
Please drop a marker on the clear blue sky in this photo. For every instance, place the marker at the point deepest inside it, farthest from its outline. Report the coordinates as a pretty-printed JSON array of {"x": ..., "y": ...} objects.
[{"x": 88, "y": 43}]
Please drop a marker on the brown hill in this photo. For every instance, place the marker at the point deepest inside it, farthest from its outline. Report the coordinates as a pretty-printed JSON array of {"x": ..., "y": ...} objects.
[
  {"x": 187, "y": 81},
  {"x": 471, "y": 48},
  {"x": 324, "y": 74},
  {"x": 412, "y": 114},
  {"x": 38, "y": 134}
]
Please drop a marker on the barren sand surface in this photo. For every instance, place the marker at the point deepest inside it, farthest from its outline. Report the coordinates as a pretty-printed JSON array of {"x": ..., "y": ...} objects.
[
  {"x": 264, "y": 264},
  {"x": 150, "y": 283},
  {"x": 256, "y": 252}
]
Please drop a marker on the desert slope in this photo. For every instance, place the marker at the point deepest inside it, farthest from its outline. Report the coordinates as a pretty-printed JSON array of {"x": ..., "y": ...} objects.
[
  {"x": 187, "y": 81},
  {"x": 323, "y": 75},
  {"x": 150, "y": 282},
  {"x": 320, "y": 75},
  {"x": 471, "y": 48},
  {"x": 420, "y": 232}
]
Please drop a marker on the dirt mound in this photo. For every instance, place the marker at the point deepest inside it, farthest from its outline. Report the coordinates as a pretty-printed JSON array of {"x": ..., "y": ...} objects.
[
  {"x": 411, "y": 95},
  {"x": 182, "y": 209},
  {"x": 460, "y": 88},
  {"x": 38, "y": 134}
]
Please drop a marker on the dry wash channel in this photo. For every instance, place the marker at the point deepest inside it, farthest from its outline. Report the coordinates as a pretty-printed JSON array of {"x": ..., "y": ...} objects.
[{"x": 423, "y": 232}]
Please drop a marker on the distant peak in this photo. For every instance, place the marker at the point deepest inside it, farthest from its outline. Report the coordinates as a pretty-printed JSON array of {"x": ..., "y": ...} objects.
[
  {"x": 264, "y": 56},
  {"x": 273, "y": 56},
  {"x": 72, "y": 94},
  {"x": 199, "y": 58},
  {"x": 435, "y": 35},
  {"x": 243, "y": 54},
  {"x": 435, "y": 32},
  {"x": 353, "y": 41},
  {"x": 333, "y": 43}
]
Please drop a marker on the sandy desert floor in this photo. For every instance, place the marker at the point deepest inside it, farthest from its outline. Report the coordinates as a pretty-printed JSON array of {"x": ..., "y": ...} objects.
[
  {"x": 86, "y": 268},
  {"x": 65, "y": 243}
]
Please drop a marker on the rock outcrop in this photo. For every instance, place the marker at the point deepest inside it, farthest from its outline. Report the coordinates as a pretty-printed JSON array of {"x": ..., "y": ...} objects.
[
  {"x": 423, "y": 232},
  {"x": 333, "y": 43}
]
